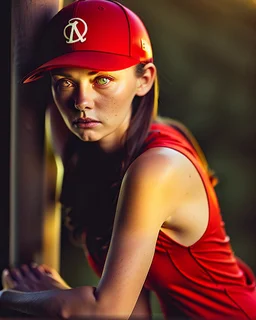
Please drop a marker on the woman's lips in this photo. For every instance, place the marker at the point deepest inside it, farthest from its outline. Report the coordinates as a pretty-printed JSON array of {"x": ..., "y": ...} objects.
[{"x": 85, "y": 123}]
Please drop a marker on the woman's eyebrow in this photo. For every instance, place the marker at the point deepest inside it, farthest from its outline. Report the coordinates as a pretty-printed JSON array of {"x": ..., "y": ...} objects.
[{"x": 92, "y": 73}]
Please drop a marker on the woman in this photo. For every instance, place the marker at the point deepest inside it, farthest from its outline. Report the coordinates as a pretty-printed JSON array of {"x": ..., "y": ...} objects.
[{"x": 137, "y": 191}]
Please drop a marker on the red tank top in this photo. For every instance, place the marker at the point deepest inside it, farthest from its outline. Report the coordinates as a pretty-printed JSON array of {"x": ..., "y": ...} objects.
[{"x": 205, "y": 280}]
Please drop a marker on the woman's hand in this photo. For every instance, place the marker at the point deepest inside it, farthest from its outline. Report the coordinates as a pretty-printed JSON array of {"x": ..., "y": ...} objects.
[{"x": 33, "y": 278}]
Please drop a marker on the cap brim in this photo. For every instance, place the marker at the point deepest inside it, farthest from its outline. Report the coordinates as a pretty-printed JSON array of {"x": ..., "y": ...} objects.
[{"x": 83, "y": 59}]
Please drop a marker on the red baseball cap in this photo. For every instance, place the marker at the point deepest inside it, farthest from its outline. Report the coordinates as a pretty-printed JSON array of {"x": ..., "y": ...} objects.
[{"x": 100, "y": 35}]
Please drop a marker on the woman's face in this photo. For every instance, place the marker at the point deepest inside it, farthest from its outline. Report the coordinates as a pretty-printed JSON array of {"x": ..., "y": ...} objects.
[{"x": 96, "y": 106}]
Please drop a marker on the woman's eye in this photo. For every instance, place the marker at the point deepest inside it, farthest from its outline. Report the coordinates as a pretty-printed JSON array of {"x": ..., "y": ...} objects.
[
  {"x": 64, "y": 84},
  {"x": 102, "y": 81}
]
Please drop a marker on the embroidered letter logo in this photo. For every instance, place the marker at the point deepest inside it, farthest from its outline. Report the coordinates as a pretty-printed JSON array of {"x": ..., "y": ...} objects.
[
  {"x": 145, "y": 45},
  {"x": 75, "y": 35}
]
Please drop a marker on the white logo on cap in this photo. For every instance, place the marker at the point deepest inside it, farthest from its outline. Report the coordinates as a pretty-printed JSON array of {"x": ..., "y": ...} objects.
[
  {"x": 145, "y": 45},
  {"x": 74, "y": 30}
]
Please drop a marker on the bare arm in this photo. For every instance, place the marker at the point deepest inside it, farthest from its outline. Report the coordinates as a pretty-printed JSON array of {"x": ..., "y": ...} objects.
[
  {"x": 31, "y": 304},
  {"x": 142, "y": 308},
  {"x": 43, "y": 303},
  {"x": 149, "y": 194}
]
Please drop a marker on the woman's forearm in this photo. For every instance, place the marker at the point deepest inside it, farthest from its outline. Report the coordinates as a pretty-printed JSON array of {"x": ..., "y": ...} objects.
[
  {"x": 43, "y": 303},
  {"x": 52, "y": 303}
]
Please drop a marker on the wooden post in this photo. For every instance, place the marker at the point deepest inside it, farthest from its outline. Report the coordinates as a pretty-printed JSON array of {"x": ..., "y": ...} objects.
[
  {"x": 5, "y": 25},
  {"x": 27, "y": 146}
]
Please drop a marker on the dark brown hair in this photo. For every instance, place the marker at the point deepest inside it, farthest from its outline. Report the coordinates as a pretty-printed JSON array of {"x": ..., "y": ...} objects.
[{"x": 144, "y": 110}]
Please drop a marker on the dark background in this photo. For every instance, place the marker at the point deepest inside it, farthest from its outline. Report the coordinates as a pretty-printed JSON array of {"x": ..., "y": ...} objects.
[{"x": 205, "y": 54}]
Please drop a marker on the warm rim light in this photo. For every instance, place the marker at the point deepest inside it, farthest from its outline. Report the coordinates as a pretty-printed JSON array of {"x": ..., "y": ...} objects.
[{"x": 61, "y": 4}]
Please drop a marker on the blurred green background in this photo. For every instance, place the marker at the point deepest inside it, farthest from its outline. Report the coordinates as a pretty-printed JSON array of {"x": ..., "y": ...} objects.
[{"x": 205, "y": 54}]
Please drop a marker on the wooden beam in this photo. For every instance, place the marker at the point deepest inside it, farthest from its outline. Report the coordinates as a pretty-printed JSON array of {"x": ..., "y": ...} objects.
[{"x": 27, "y": 165}]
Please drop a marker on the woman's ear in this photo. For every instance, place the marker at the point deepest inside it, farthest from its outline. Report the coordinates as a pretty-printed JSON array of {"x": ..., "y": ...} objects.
[{"x": 145, "y": 82}]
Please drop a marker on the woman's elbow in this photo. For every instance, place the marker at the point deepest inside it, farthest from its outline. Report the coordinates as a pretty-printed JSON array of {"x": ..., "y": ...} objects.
[
  {"x": 78, "y": 303},
  {"x": 82, "y": 303}
]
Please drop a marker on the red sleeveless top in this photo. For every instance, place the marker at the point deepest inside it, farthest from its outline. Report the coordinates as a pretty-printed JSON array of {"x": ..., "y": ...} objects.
[{"x": 205, "y": 280}]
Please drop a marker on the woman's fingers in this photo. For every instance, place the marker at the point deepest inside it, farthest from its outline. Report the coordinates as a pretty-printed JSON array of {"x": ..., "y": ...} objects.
[
  {"x": 16, "y": 274},
  {"x": 22, "y": 278},
  {"x": 7, "y": 280},
  {"x": 33, "y": 277},
  {"x": 47, "y": 269},
  {"x": 29, "y": 273}
]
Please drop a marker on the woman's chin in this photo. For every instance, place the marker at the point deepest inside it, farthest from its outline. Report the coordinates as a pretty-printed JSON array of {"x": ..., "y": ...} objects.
[{"x": 87, "y": 138}]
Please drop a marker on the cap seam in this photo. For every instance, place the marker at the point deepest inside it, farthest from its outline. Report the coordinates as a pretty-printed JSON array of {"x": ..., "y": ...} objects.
[{"x": 128, "y": 23}]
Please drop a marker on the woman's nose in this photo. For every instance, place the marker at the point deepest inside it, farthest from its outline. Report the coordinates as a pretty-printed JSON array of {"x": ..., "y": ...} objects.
[
  {"x": 81, "y": 106},
  {"x": 83, "y": 98}
]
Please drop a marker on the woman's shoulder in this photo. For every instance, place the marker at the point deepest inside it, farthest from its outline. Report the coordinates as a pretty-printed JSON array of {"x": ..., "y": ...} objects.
[
  {"x": 168, "y": 148},
  {"x": 163, "y": 166},
  {"x": 168, "y": 178},
  {"x": 165, "y": 146},
  {"x": 175, "y": 135}
]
